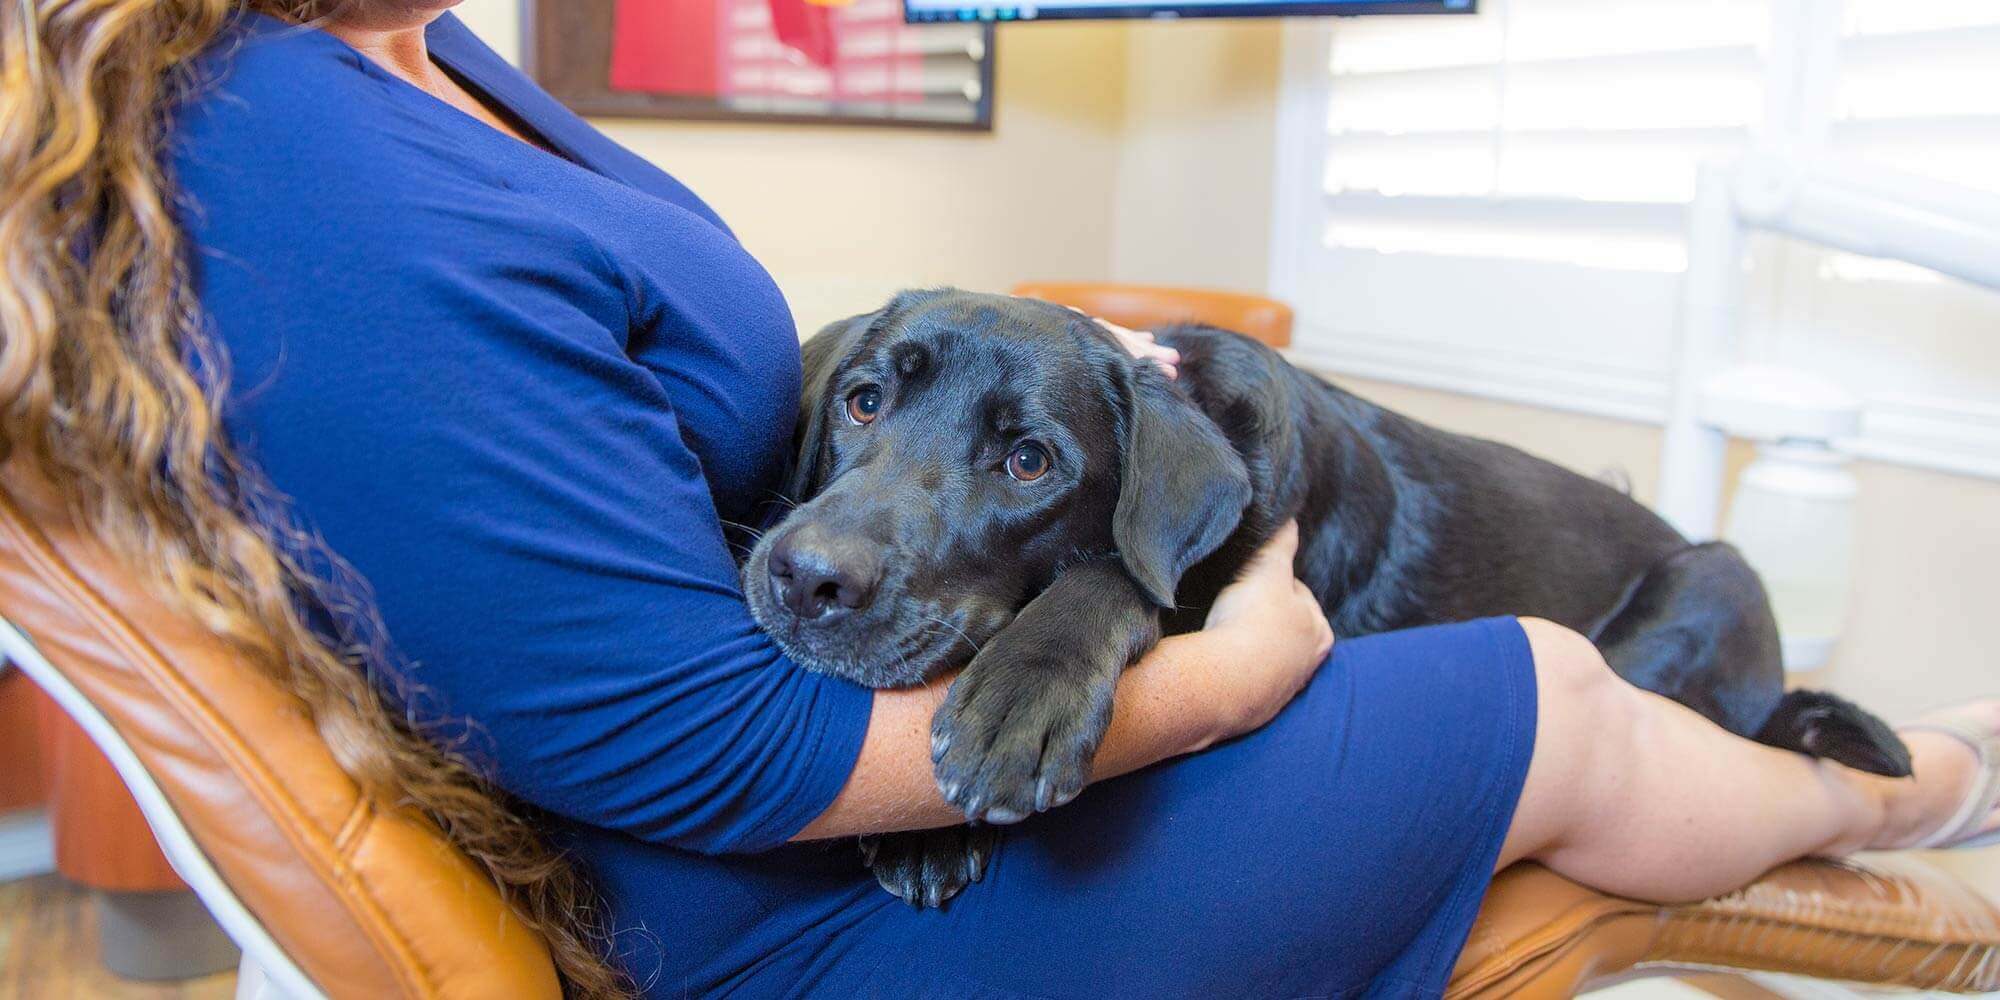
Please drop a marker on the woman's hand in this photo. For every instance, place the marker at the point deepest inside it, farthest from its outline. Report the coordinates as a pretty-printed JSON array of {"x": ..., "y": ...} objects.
[
  {"x": 1278, "y": 626},
  {"x": 1140, "y": 344}
]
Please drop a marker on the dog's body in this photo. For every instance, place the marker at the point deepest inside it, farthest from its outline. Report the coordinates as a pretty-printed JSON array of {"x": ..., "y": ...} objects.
[
  {"x": 1402, "y": 524},
  {"x": 1166, "y": 491}
]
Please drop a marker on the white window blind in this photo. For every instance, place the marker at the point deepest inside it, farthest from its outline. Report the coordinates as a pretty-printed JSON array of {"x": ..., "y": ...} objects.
[
  {"x": 1916, "y": 87},
  {"x": 1496, "y": 204},
  {"x": 1914, "y": 84},
  {"x": 1433, "y": 129}
]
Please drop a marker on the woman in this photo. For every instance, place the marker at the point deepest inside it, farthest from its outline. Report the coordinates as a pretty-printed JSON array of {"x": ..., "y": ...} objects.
[{"x": 530, "y": 387}]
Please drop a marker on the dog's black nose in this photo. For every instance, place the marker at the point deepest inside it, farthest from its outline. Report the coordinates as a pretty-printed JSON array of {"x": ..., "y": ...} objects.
[{"x": 815, "y": 575}]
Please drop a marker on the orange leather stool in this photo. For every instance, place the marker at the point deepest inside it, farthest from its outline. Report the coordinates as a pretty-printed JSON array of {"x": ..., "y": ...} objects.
[
  {"x": 22, "y": 784},
  {"x": 1146, "y": 307},
  {"x": 150, "y": 924}
]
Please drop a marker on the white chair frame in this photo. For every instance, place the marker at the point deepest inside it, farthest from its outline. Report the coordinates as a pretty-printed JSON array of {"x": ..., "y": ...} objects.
[
  {"x": 1862, "y": 209},
  {"x": 266, "y": 973}
]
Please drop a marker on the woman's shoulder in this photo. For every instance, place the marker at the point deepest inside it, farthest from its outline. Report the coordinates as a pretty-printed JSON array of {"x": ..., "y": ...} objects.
[
  {"x": 260, "y": 70},
  {"x": 280, "y": 113},
  {"x": 292, "y": 146}
]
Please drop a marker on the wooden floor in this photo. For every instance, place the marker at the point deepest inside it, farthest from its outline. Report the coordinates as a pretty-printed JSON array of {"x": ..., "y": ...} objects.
[{"x": 48, "y": 951}]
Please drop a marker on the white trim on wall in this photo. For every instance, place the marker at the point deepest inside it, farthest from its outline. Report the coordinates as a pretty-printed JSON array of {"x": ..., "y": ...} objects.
[
  {"x": 1956, "y": 436},
  {"x": 26, "y": 846},
  {"x": 1301, "y": 145},
  {"x": 1512, "y": 376},
  {"x": 1961, "y": 437},
  {"x": 1802, "y": 988}
]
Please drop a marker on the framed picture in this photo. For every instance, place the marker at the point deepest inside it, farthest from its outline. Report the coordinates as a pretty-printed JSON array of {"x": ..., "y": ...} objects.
[{"x": 796, "y": 61}]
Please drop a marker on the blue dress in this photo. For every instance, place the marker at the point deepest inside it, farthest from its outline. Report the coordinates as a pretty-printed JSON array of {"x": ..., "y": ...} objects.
[{"x": 529, "y": 396}]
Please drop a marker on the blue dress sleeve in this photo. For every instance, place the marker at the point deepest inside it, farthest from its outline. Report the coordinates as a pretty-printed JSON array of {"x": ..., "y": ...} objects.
[
  {"x": 433, "y": 359},
  {"x": 543, "y": 549}
]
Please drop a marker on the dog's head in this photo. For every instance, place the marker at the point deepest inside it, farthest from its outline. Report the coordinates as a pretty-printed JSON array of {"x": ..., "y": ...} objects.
[{"x": 958, "y": 450}]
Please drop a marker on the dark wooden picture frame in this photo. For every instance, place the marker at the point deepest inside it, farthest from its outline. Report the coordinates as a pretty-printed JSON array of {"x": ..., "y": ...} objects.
[{"x": 568, "y": 45}]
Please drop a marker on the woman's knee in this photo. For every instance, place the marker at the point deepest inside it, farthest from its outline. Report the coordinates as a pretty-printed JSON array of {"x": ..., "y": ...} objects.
[
  {"x": 1584, "y": 717},
  {"x": 1570, "y": 674}
]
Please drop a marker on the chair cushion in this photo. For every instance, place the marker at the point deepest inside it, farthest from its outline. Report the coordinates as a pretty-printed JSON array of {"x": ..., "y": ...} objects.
[{"x": 368, "y": 902}]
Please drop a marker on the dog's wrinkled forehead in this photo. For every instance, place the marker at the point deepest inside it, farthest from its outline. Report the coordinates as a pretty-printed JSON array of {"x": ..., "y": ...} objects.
[{"x": 1021, "y": 352}]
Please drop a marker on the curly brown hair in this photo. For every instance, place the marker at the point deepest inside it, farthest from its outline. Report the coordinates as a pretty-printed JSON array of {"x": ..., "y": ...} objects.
[{"x": 110, "y": 389}]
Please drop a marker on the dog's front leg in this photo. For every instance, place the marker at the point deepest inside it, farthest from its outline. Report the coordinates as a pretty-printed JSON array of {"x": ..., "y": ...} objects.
[{"x": 1017, "y": 733}]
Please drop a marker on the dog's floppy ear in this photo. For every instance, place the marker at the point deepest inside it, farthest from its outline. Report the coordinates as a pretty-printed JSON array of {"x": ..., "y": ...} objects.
[
  {"x": 820, "y": 356},
  {"x": 1182, "y": 487}
]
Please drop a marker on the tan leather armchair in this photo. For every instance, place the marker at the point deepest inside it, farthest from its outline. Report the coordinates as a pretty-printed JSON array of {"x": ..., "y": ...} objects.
[
  {"x": 328, "y": 896},
  {"x": 323, "y": 892}
]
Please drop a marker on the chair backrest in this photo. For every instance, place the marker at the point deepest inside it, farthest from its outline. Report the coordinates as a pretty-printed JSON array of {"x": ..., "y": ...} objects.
[
  {"x": 312, "y": 879},
  {"x": 1145, "y": 307}
]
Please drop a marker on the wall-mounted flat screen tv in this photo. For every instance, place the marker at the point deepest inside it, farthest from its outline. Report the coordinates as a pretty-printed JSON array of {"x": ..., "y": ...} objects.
[{"x": 921, "y": 11}]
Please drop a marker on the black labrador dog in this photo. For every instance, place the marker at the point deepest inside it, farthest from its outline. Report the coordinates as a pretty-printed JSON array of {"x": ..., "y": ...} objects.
[{"x": 992, "y": 482}]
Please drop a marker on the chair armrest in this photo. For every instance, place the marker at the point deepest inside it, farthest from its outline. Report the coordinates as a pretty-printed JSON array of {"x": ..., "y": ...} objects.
[{"x": 1888, "y": 921}]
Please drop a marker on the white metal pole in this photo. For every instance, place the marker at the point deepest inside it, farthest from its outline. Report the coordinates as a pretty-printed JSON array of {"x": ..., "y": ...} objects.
[
  {"x": 1691, "y": 460},
  {"x": 1876, "y": 212}
]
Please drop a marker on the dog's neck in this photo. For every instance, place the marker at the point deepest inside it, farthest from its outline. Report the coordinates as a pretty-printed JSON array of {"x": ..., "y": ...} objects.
[{"x": 1351, "y": 553}]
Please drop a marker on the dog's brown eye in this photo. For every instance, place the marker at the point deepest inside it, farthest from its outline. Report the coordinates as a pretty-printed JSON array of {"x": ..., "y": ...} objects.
[
  {"x": 1028, "y": 463},
  {"x": 864, "y": 404}
]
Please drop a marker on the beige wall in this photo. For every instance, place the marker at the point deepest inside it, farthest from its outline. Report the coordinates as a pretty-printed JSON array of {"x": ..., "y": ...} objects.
[
  {"x": 843, "y": 216},
  {"x": 1135, "y": 151},
  {"x": 1194, "y": 170}
]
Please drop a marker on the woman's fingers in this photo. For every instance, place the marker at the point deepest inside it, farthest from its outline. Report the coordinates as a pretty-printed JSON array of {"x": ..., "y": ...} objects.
[
  {"x": 1265, "y": 582},
  {"x": 1139, "y": 343},
  {"x": 1278, "y": 627},
  {"x": 1277, "y": 552}
]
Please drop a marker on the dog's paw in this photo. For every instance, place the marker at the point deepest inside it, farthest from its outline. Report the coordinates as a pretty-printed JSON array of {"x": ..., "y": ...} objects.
[
  {"x": 1009, "y": 743},
  {"x": 925, "y": 868}
]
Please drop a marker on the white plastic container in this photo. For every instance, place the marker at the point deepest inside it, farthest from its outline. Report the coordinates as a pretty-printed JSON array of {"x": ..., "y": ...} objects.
[
  {"x": 1793, "y": 514},
  {"x": 1793, "y": 518}
]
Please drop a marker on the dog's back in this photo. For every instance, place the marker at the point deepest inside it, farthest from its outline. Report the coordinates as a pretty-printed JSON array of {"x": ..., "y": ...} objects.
[
  {"x": 1103, "y": 502},
  {"x": 1402, "y": 524}
]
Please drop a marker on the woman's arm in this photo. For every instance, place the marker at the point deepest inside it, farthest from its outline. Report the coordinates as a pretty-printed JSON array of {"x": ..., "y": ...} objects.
[{"x": 1262, "y": 641}]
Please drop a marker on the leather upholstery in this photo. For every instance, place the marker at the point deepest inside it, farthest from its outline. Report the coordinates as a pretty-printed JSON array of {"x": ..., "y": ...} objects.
[
  {"x": 369, "y": 903},
  {"x": 1877, "y": 920},
  {"x": 1145, "y": 307}
]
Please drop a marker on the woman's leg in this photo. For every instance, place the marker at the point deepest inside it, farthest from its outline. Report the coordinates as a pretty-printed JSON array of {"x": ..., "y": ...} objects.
[
  {"x": 1634, "y": 794},
  {"x": 1341, "y": 850}
]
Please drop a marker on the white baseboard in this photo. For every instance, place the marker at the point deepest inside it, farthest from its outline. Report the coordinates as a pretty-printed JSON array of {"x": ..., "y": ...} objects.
[
  {"x": 26, "y": 847},
  {"x": 1801, "y": 988},
  {"x": 1958, "y": 436}
]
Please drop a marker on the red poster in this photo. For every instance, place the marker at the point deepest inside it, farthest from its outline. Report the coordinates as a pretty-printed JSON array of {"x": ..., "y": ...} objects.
[
  {"x": 766, "y": 49},
  {"x": 666, "y": 47}
]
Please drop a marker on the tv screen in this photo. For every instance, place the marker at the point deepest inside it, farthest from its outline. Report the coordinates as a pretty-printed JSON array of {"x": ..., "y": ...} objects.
[{"x": 923, "y": 11}]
